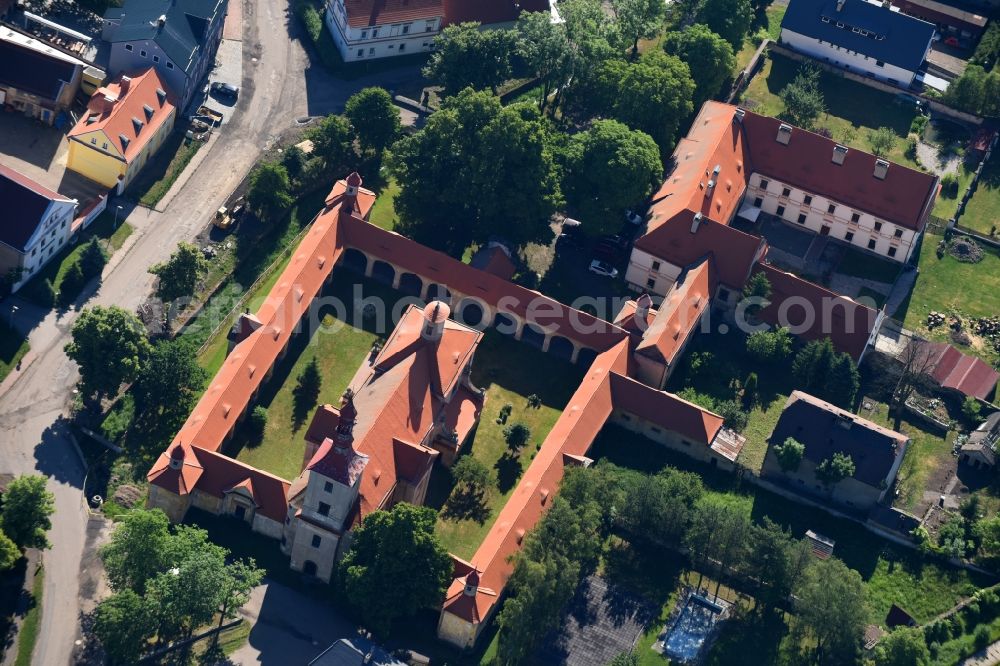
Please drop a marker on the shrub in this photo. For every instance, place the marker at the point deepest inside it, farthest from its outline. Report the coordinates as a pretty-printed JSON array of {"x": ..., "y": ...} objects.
[
  {"x": 971, "y": 409},
  {"x": 257, "y": 423},
  {"x": 770, "y": 346},
  {"x": 949, "y": 186},
  {"x": 918, "y": 124},
  {"x": 982, "y": 636},
  {"x": 732, "y": 414},
  {"x": 71, "y": 285},
  {"x": 516, "y": 435}
]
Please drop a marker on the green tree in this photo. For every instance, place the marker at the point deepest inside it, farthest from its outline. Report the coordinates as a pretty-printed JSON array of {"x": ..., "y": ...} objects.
[
  {"x": 971, "y": 409},
  {"x": 610, "y": 168},
  {"x": 625, "y": 659},
  {"x": 71, "y": 284},
  {"x": 658, "y": 508},
  {"x": 294, "y": 160},
  {"x": 516, "y": 435},
  {"x": 826, "y": 373},
  {"x": 835, "y": 469},
  {"x": 904, "y": 646},
  {"x": 882, "y": 141},
  {"x": 257, "y": 424},
  {"x": 306, "y": 391},
  {"x": 93, "y": 259},
  {"x": 242, "y": 576},
  {"x": 110, "y": 346},
  {"x": 168, "y": 387},
  {"x": 758, "y": 286},
  {"x": 718, "y": 537},
  {"x": 830, "y": 601},
  {"x": 638, "y": 19},
  {"x": 467, "y": 56},
  {"x": 770, "y": 346},
  {"x": 546, "y": 50},
  {"x": 789, "y": 454},
  {"x": 396, "y": 565},
  {"x": 25, "y": 514},
  {"x": 730, "y": 19},
  {"x": 709, "y": 57},
  {"x": 987, "y": 531},
  {"x": 459, "y": 174},
  {"x": 9, "y": 553},
  {"x": 269, "y": 193},
  {"x": 775, "y": 562},
  {"x": 188, "y": 595},
  {"x": 374, "y": 117},
  {"x": 333, "y": 142},
  {"x": 137, "y": 551},
  {"x": 472, "y": 476},
  {"x": 180, "y": 274},
  {"x": 124, "y": 623},
  {"x": 802, "y": 98}
]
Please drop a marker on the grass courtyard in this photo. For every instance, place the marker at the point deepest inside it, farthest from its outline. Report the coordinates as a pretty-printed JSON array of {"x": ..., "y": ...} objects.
[
  {"x": 982, "y": 213},
  {"x": 769, "y": 23}
]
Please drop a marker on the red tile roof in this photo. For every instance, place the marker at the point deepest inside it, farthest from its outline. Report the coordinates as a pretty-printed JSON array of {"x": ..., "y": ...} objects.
[
  {"x": 494, "y": 260},
  {"x": 679, "y": 314},
  {"x": 683, "y": 417},
  {"x": 179, "y": 480},
  {"x": 813, "y": 313},
  {"x": 967, "y": 374},
  {"x": 361, "y": 13},
  {"x": 490, "y": 11},
  {"x": 118, "y": 117},
  {"x": 902, "y": 197}
]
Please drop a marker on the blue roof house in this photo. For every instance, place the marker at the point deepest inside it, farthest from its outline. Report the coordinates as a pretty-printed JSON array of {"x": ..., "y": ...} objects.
[{"x": 860, "y": 36}]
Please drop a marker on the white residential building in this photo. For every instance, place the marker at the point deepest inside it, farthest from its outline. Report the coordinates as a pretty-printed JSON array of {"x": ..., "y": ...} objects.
[{"x": 369, "y": 29}]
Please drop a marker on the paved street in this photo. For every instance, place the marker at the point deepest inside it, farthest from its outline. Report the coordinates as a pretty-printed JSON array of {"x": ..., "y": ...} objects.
[{"x": 279, "y": 85}]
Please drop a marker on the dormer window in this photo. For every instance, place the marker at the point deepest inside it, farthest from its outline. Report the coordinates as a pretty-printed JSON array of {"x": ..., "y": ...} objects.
[
  {"x": 148, "y": 110},
  {"x": 137, "y": 125},
  {"x": 125, "y": 141},
  {"x": 161, "y": 95}
]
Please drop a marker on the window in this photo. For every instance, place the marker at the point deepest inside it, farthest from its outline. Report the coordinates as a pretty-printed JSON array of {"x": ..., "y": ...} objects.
[
  {"x": 361, "y": 53},
  {"x": 807, "y": 199},
  {"x": 685, "y": 442},
  {"x": 802, "y": 218},
  {"x": 156, "y": 58},
  {"x": 406, "y": 29},
  {"x": 849, "y": 236},
  {"x": 316, "y": 541},
  {"x": 429, "y": 27},
  {"x": 654, "y": 429},
  {"x": 364, "y": 34},
  {"x": 780, "y": 212},
  {"x": 763, "y": 184},
  {"x": 723, "y": 294},
  {"x": 402, "y": 47},
  {"x": 855, "y": 217},
  {"x": 892, "y": 252},
  {"x": 898, "y": 233},
  {"x": 871, "y": 243},
  {"x": 371, "y": 51},
  {"x": 142, "y": 53},
  {"x": 328, "y": 487},
  {"x": 104, "y": 145},
  {"x": 831, "y": 209},
  {"x": 879, "y": 63},
  {"x": 656, "y": 265},
  {"x": 651, "y": 283},
  {"x": 878, "y": 226},
  {"x": 758, "y": 202},
  {"x": 785, "y": 192},
  {"x": 170, "y": 65},
  {"x": 93, "y": 140},
  {"x": 128, "y": 47},
  {"x": 375, "y": 33},
  {"x": 324, "y": 509}
]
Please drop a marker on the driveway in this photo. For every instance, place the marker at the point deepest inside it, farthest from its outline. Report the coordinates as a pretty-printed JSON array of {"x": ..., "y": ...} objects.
[{"x": 288, "y": 627}]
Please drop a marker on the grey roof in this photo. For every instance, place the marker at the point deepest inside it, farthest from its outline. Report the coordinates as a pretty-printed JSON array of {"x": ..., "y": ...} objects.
[
  {"x": 986, "y": 434},
  {"x": 32, "y": 71},
  {"x": 23, "y": 202},
  {"x": 352, "y": 651},
  {"x": 825, "y": 429},
  {"x": 183, "y": 33},
  {"x": 863, "y": 27}
]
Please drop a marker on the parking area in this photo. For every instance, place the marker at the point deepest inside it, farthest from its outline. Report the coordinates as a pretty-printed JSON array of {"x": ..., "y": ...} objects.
[{"x": 39, "y": 152}]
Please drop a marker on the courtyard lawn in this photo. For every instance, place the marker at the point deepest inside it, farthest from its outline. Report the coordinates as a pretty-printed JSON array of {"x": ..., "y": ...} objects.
[
  {"x": 13, "y": 347},
  {"x": 383, "y": 213},
  {"x": 163, "y": 170},
  {"x": 552, "y": 380},
  {"x": 864, "y": 265},
  {"x": 108, "y": 235},
  {"x": 982, "y": 213},
  {"x": 947, "y": 284},
  {"x": 852, "y": 109},
  {"x": 772, "y": 27}
]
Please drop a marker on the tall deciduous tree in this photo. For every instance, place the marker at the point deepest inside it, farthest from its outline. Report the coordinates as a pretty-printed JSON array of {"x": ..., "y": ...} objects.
[
  {"x": 882, "y": 140},
  {"x": 775, "y": 561},
  {"x": 168, "y": 385},
  {"x": 333, "y": 142},
  {"x": 826, "y": 373},
  {"x": 181, "y": 273},
  {"x": 638, "y": 19},
  {"x": 830, "y": 601},
  {"x": 730, "y": 19},
  {"x": 835, "y": 469},
  {"x": 374, "y": 117},
  {"x": 460, "y": 173},
  {"x": 137, "y": 551},
  {"x": 904, "y": 646},
  {"x": 789, "y": 454},
  {"x": 610, "y": 168},
  {"x": 802, "y": 98},
  {"x": 9, "y": 552},
  {"x": 110, "y": 346},
  {"x": 709, "y": 56},
  {"x": 27, "y": 507},
  {"x": 396, "y": 565},
  {"x": 269, "y": 194},
  {"x": 468, "y": 56},
  {"x": 124, "y": 623},
  {"x": 546, "y": 50}
]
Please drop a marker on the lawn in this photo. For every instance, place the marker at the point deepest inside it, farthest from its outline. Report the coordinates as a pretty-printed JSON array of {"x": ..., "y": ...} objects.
[
  {"x": 160, "y": 173},
  {"x": 383, "y": 213},
  {"x": 947, "y": 284},
  {"x": 13, "y": 347},
  {"x": 864, "y": 265},
  {"x": 28, "y": 634},
  {"x": 110, "y": 236},
  {"x": 552, "y": 380},
  {"x": 852, "y": 109},
  {"x": 770, "y": 24},
  {"x": 982, "y": 213}
]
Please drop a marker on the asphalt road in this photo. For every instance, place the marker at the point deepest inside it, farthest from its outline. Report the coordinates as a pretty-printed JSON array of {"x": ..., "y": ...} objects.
[{"x": 280, "y": 84}]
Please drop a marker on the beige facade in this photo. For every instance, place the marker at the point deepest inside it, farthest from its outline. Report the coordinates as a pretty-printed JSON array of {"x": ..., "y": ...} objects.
[
  {"x": 650, "y": 274},
  {"x": 669, "y": 439},
  {"x": 460, "y": 633}
]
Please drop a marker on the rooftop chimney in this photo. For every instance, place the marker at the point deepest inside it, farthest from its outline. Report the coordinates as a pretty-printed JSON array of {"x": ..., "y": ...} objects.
[
  {"x": 784, "y": 133},
  {"x": 740, "y": 114},
  {"x": 695, "y": 221},
  {"x": 881, "y": 168},
  {"x": 642, "y": 305},
  {"x": 839, "y": 153},
  {"x": 124, "y": 84},
  {"x": 162, "y": 21},
  {"x": 840, "y": 5}
]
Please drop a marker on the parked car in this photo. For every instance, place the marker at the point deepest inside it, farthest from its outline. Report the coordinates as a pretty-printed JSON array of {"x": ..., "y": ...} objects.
[
  {"x": 570, "y": 222},
  {"x": 603, "y": 268},
  {"x": 226, "y": 89}
]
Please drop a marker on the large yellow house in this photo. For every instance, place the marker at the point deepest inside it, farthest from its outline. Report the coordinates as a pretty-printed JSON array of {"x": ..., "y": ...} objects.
[{"x": 126, "y": 122}]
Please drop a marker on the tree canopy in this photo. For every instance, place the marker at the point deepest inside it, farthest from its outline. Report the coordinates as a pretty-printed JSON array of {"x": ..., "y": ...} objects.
[
  {"x": 9, "y": 552},
  {"x": 770, "y": 346},
  {"x": 546, "y": 51},
  {"x": 180, "y": 275},
  {"x": 882, "y": 141},
  {"x": 414, "y": 577},
  {"x": 468, "y": 56},
  {"x": 461, "y": 174},
  {"x": 110, "y": 346},
  {"x": 802, "y": 98},
  {"x": 609, "y": 168},
  {"x": 830, "y": 600},
  {"x": 904, "y": 646},
  {"x": 638, "y": 19},
  {"x": 709, "y": 57},
  {"x": 826, "y": 373},
  {"x": 26, "y": 511},
  {"x": 168, "y": 387},
  {"x": 333, "y": 142},
  {"x": 124, "y": 623},
  {"x": 730, "y": 19},
  {"x": 835, "y": 469},
  {"x": 789, "y": 454},
  {"x": 374, "y": 117},
  {"x": 269, "y": 193}
]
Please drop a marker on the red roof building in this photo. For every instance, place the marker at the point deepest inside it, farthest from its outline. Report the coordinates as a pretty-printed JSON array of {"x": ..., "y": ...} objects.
[{"x": 968, "y": 375}]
